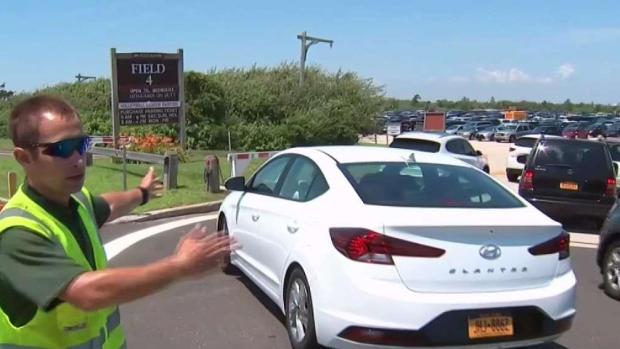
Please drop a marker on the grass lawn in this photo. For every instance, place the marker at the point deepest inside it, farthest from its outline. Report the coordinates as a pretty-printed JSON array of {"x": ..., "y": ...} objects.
[{"x": 106, "y": 176}]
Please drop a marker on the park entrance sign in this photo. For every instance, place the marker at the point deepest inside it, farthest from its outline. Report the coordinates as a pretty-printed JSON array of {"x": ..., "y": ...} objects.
[{"x": 147, "y": 89}]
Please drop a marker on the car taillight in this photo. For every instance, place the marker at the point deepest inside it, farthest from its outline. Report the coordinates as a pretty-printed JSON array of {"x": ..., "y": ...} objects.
[
  {"x": 512, "y": 149},
  {"x": 611, "y": 187},
  {"x": 367, "y": 246},
  {"x": 527, "y": 180},
  {"x": 559, "y": 244}
]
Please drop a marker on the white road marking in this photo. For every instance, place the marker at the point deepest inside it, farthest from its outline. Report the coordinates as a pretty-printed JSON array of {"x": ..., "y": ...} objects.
[
  {"x": 584, "y": 238},
  {"x": 116, "y": 246}
]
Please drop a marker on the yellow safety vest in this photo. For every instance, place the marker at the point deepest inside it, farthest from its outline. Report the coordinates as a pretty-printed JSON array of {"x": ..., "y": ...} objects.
[{"x": 65, "y": 326}]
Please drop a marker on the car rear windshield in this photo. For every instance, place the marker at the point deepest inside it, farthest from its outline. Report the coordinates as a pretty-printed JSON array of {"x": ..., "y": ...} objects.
[
  {"x": 426, "y": 185},
  {"x": 416, "y": 144},
  {"x": 526, "y": 142},
  {"x": 579, "y": 155}
]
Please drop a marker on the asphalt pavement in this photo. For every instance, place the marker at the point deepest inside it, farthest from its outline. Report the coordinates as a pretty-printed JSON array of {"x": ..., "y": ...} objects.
[{"x": 228, "y": 311}]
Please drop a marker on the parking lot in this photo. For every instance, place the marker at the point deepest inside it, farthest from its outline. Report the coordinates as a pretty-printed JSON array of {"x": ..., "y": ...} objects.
[{"x": 229, "y": 311}]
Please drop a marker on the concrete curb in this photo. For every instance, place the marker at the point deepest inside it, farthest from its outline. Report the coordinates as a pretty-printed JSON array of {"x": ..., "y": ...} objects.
[{"x": 170, "y": 212}]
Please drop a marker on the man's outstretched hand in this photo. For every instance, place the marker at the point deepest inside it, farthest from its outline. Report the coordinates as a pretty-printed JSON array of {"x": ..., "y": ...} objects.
[{"x": 153, "y": 184}]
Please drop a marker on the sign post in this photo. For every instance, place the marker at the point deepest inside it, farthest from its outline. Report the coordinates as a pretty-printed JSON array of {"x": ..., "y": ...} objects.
[{"x": 147, "y": 89}]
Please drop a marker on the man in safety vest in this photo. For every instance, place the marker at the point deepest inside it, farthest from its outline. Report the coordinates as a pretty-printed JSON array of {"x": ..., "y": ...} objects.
[{"x": 55, "y": 289}]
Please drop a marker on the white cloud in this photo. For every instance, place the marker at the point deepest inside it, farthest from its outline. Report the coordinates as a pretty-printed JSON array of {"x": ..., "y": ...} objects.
[
  {"x": 565, "y": 71},
  {"x": 512, "y": 76}
]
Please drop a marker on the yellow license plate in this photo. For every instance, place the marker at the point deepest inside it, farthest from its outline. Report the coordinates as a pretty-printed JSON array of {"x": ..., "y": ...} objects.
[
  {"x": 569, "y": 186},
  {"x": 490, "y": 326}
]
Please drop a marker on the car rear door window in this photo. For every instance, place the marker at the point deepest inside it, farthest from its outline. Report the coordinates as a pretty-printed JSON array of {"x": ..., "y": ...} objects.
[{"x": 416, "y": 144}]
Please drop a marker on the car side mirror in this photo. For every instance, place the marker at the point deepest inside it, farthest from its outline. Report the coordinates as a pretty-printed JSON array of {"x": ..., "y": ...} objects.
[
  {"x": 478, "y": 152},
  {"x": 235, "y": 184}
]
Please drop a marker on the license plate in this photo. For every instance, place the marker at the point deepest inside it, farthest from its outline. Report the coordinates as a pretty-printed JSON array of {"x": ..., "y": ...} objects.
[
  {"x": 490, "y": 326},
  {"x": 569, "y": 186}
]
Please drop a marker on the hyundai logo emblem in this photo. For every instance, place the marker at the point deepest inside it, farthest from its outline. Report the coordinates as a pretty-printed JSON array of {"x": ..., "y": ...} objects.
[{"x": 490, "y": 252}]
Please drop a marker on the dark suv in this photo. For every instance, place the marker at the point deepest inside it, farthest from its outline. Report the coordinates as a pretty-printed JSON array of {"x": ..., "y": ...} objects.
[{"x": 566, "y": 179}]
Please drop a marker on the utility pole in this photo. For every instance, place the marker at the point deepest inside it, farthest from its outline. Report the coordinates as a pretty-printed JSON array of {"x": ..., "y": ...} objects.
[
  {"x": 81, "y": 77},
  {"x": 306, "y": 42}
]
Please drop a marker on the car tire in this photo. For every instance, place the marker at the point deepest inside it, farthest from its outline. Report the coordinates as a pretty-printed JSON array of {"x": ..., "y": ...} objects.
[
  {"x": 611, "y": 270},
  {"x": 299, "y": 314},
  {"x": 512, "y": 177},
  {"x": 486, "y": 169},
  {"x": 512, "y": 139},
  {"x": 226, "y": 266}
]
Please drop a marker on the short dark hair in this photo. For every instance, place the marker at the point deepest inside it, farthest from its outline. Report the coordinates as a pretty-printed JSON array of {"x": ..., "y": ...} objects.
[{"x": 25, "y": 117}]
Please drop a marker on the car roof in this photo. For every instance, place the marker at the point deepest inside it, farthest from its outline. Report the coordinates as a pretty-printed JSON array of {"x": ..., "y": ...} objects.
[
  {"x": 364, "y": 153},
  {"x": 428, "y": 136},
  {"x": 538, "y": 135}
]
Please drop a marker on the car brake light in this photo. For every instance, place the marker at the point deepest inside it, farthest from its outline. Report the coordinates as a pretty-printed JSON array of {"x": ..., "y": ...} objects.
[
  {"x": 611, "y": 187},
  {"x": 367, "y": 246},
  {"x": 527, "y": 180},
  {"x": 559, "y": 244}
]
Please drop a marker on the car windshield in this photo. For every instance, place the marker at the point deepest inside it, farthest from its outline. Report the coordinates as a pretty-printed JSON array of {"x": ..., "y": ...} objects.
[
  {"x": 508, "y": 128},
  {"x": 426, "y": 185},
  {"x": 415, "y": 144}
]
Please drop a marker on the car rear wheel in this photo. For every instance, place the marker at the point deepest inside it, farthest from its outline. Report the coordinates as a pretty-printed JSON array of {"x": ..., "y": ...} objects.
[
  {"x": 611, "y": 270},
  {"x": 512, "y": 139},
  {"x": 299, "y": 312}
]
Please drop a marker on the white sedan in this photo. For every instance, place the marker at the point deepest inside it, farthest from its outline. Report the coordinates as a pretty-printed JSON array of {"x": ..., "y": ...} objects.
[
  {"x": 443, "y": 143},
  {"x": 364, "y": 247}
]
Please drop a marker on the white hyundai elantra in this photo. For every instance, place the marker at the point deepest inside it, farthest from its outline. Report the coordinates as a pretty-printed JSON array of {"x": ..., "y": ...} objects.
[{"x": 366, "y": 247}]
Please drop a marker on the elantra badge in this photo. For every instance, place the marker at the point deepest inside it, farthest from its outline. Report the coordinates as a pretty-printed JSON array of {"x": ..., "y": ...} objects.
[{"x": 490, "y": 252}]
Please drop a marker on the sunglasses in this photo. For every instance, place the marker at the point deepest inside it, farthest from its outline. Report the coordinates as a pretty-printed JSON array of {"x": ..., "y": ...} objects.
[{"x": 65, "y": 148}]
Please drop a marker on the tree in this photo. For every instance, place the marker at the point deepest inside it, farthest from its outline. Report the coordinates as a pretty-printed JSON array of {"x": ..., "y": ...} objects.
[
  {"x": 415, "y": 100},
  {"x": 492, "y": 101}
]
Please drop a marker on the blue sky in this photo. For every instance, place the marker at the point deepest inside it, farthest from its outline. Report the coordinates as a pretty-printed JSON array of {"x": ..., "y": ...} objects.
[{"x": 535, "y": 50}]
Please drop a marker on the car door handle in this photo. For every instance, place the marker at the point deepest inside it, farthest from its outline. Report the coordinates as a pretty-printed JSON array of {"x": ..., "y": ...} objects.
[
  {"x": 292, "y": 228},
  {"x": 255, "y": 217}
]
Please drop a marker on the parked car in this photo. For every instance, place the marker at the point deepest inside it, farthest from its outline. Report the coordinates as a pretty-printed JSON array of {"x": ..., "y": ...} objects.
[
  {"x": 608, "y": 253},
  {"x": 453, "y": 129},
  {"x": 569, "y": 179},
  {"x": 487, "y": 134},
  {"x": 555, "y": 130},
  {"x": 614, "y": 151},
  {"x": 576, "y": 130},
  {"x": 612, "y": 130},
  {"x": 518, "y": 153},
  {"x": 470, "y": 130},
  {"x": 442, "y": 143},
  {"x": 596, "y": 130},
  {"x": 509, "y": 133},
  {"x": 367, "y": 247}
]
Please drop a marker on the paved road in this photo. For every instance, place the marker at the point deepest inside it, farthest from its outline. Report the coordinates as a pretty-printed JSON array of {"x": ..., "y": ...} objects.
[{"x": 223, "y": 311}]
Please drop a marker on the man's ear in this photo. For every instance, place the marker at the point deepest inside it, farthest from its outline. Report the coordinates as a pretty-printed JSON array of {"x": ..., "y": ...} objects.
[{"x": 23, "y": 156}]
